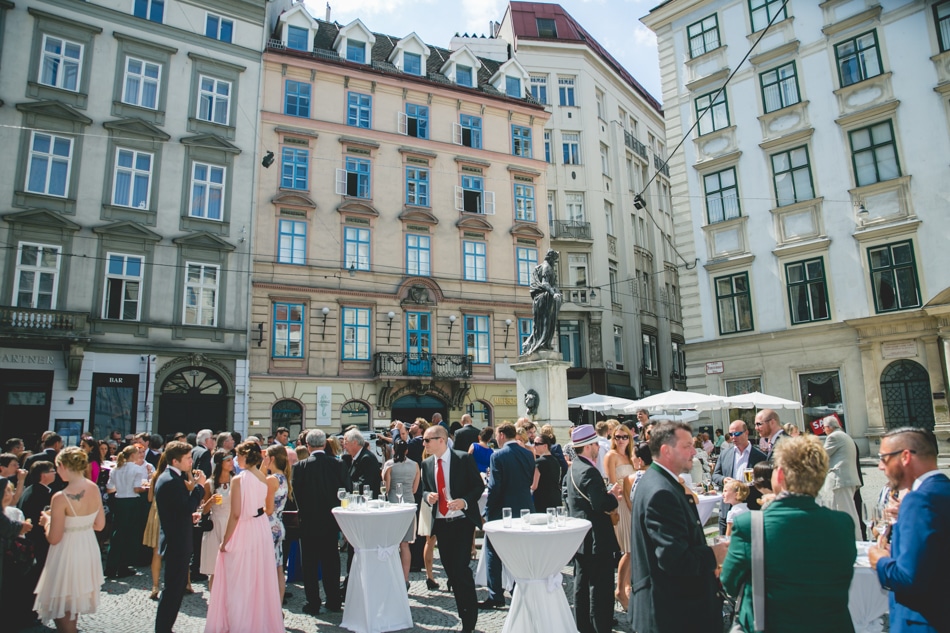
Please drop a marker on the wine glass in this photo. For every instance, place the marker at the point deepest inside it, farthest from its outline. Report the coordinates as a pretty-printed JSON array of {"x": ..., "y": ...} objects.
[
  {"x": 367, "y": 493},
  {"x": 398, "y": 493},
  {"x": 341, "y": 495},
  {"x": 382, "y": 491}
]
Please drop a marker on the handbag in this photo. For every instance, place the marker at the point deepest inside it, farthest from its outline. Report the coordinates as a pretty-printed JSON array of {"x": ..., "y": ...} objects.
[
  {"x": 291, "y": 519},
  {"x": 758, "y": 578},
  {"x": 425, "y": 519},
  {"x": 205, "y": 524}
]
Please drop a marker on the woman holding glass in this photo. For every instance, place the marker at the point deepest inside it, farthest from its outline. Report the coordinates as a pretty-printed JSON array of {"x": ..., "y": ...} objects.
[
  {"x": 128, "y": 480},
  {"x": 277, "y": 467},
  {"x": 217, "y": 501},
  {"x": 401, "y": 479},
  {"x": 618, "y": 464}
]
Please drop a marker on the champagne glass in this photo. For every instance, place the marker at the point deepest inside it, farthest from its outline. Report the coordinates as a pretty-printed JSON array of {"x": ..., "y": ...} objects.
[
  {"x": 398, "y": 493},
  {"x": 367, "y": 493},
  {"x": 341, "y": 495},
  {"x": 382, "y": 491}
]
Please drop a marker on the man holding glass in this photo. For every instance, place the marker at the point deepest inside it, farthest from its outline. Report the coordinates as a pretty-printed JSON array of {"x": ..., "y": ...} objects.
[{"x": 733, "y": 462}]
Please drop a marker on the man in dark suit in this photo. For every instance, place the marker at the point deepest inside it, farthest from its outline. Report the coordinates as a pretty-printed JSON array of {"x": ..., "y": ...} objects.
[
  {"x": 673, "y": 570},
  {"x": 154, "y": 452},
  {"x": 416, "y": 446},
  {"x": 467, "y": 435},
  {"x": 735, "y": 458},
  {"x": 768, "y": 424},
  {"x": 588, "y": 498},
  {"x": 52, "y": 444},
  {"x": 511, "y": 473},
  {"x": 36, "y": 497},
  {"x": 452, "y": 485},
  {"x": 316, "y": 481},
  {"x": 177, "y": 496},
  {"x": 912, "y": 569},
  {"x": 363, "y": 469},
  {"x": 201, "y": 456}
]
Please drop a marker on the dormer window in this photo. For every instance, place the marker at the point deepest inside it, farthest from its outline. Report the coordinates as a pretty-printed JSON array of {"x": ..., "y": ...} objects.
[
  {"x": 463, "y": 76},
  {"x": 513, "y": 87},
  {"x": 297, "y": 38},
  {"x": 546, "y": 27},
  {"x": 412, "y": 63},
  {"x": 356, "y": 51}
]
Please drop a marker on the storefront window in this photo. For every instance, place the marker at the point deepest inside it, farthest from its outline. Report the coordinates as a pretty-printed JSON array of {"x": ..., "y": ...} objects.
[
  {"x": 355, "y": 413},
  {"x": 113, "y": 404},
  {"x": 821, "y": 396},
  {"x": 289, "y": 414}
]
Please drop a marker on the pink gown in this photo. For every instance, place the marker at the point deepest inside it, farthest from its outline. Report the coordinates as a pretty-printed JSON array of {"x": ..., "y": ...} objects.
[{"x": 245, "y": 595}]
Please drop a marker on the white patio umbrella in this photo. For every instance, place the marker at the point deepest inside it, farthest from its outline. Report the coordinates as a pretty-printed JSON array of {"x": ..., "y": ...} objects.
[
  {"x": 673, "y": 400},
  {"x": 600, "y": 403},
  {"x": 759, "y": 400}
]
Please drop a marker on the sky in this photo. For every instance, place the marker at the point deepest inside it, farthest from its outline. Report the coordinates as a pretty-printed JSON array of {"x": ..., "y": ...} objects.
[{"x": 613, "y": 23}]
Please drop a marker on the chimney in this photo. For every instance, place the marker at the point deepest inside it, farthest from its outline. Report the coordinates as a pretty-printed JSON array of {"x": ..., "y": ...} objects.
[{"x": 328, "y": 12}]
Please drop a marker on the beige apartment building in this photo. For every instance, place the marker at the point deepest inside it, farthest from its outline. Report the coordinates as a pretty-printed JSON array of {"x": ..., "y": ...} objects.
[{"x": 397, "y": 225}]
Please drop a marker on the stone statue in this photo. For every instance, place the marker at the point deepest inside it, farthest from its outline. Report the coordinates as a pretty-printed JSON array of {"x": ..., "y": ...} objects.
[
  {"x": 531, "y": 401},
  {"x": 547, "y": 302}
]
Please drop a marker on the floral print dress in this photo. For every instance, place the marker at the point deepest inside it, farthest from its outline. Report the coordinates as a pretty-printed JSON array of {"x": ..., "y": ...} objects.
[{"x": 278, "y": 531}]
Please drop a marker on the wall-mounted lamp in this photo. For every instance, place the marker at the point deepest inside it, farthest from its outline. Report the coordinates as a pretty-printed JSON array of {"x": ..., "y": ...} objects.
[
  {"x": 352, "y": 269},
  {"x": 639, "y": 202},
  {"x": 268, "y": 160},
  {"x": 452, "y": 318},
  {"x": 593, "y": 294},
  {"x": 325, "y": 311},
  {"x": 71, "y": 401},
  {"x": 391, "y": 315},
  {"x": 507, "y": 326},
  {"x": 260, "y": 333},
  {"x": 861, "y": 210}
]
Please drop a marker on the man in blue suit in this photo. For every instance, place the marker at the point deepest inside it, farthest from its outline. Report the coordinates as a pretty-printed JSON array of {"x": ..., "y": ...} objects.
[
  {"x": 913, "y": 566},
  {"x": 510, "y": 477}
]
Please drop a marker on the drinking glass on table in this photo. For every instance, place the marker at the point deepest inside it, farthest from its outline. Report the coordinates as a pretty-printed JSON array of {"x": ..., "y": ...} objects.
[
  {"x": 341, "y": 495},
  {"x": 382, "y": 492},
  {"x": 367, "y": 493},
  {"x": 562, "y": 515},
  {"x": 747, "y": 475},
  {"x": 398, "y": 492},
  {"x": 524, "y": 519},
  {"x": 506, "y": 517},
  {"x": 552, "y": 518}
]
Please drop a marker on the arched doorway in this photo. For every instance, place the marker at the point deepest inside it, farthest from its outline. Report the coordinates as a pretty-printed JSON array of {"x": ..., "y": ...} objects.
[
  {"x": 408, "y": 408},
  {"x": 906, "y": 395},
  {"x": 481, "y": 413},
  {"x": 354, "y": 412},
  {"x": 287, "y": 414},
  {"x": 192, "y": 398}
]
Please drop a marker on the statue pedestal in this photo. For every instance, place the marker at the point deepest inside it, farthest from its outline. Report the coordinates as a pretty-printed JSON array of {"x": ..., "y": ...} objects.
[{"x": 546, "y": 373}]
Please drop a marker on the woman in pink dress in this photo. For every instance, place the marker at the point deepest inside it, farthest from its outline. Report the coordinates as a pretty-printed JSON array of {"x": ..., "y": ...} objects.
[{"x": 245, "y": 594}]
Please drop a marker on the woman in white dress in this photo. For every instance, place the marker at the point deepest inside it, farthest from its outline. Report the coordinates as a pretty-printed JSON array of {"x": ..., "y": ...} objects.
[
  {"x": 72, "y": 577},
  {"x": 217, "y": 501},
  {"x": 618, "y": 464}
]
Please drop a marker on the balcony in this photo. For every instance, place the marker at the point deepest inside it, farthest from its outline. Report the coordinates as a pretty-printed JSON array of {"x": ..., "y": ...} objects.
[
  {"x": 660, "y": 165},
  {"x": 33, "y": 323},
  {"x": 570, "y": 230},
  {"x": 579, "y": 296},
  {"x": 631, "y": 141},
  {"x": 442, "y": 366}
]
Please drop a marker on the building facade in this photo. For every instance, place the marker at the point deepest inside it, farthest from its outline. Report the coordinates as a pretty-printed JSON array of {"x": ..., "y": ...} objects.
[
  {"x": 396, "y": 229},
  {"x": 812, "y": 192},
  {"x": 620, "y": 324},
  {"x": 125, "y": 212}
]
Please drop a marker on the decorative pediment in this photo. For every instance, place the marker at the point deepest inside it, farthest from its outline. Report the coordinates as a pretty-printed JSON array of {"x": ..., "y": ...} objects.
[
  {"x": 210, "y": 141},
  {"x": 299, "y": 17},
  {"x": 524, "y": 229},
  {"x": 288, "y": 199},
  {"x": 420, "y": 290},
  {"x": 204, "y": 240},
  {"x": 136, "y": 127},
  {"x": 41, "y": 217},
  {"x": 510, "y": 68},
  {"x": 358, "y": 208},
  {"x": 358, "y": 32},
  {"x": 462, "y": 57},
  {"x": 127, "y": 230},
  {"x": 55, "y": 110},
  {"x": 418, "y": 214},
  {"x": 474, "y": 222},
  {"x": 412, "y": 43}
]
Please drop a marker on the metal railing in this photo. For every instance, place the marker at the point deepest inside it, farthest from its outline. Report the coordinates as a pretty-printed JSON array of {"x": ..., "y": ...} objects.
[
  {"x": 34, "y": 322},
  {"x": 631, "y": 141},
  {"x": 570, "y": 229},
  {"x": 661, "y": 166},
  {"x": 446, "y": 366}
]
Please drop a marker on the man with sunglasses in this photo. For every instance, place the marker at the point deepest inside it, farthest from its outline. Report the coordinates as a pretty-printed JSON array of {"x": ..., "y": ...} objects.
[{"x": 741, "y": 454}]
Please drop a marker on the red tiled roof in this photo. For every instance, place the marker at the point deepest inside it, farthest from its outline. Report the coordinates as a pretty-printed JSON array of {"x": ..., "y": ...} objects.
[{"x": 524, "y": 23}]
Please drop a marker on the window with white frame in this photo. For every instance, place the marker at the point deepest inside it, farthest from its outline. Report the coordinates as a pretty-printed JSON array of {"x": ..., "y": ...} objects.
[
  {"x": 651, "y": 363},
  {"x": 521, "y": 141},
  {"x": 552, "y": 209},
  {"x": 132, "y": 178},
  {"x": 359, "y": 110},
  {"x": 142, "y": 81},
  {"x": 354, "y": 179},
  {"x": 121, "y": 299},
  {"x": 356, "y": 248},
  {"x": 417, "y": 186},
  {"x": 476, "y": 339},
  {"x": 418, "y": 254},
  {"x": 472, "y": 198},
  {"x": 201, "y": 294},
  {"x": 61, "y": 63},
  {"x": 565, "y": 89},
  {"x": 294, "y": 166},
  {"x": 604, "y": 160},
  {"x": 50, "y": 162},
  {"x": 619, "y": 363},
  {"x": 214, "y": 100},
  {"x": 601, "y": 104},
  {"x": 722, "y": 196},
  {"x": 355, "y": 51},
  {"x": 291, "y": 242},
  {"x": 37, "y": 276},
  {"x": 571, "y": 147},
  {"x": 475, "y": 261},
  {"x": 152, "y": 10},
  {"x": 356, "y": 331},
  {"x": 207, "y": 191},
  {"x": 527, "y": 259},
  {"x": 574, "y": 205},
  {"x": 613, "y": 286},
  {"x": 298, "y": 38},
  {"x": 609, "y": 217},
  {"x": 219, "y": 28},
  {"x": 577, "y": 270},
  {"x": 547, "y": 146},
  {"x": 288, "y": 330},
  {"x": 524, "y": 202},
  {"x": 539, "y": 88}
]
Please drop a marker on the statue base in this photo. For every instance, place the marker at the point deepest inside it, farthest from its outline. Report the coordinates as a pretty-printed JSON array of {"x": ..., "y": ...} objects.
[{"x": 545, "y": 373}]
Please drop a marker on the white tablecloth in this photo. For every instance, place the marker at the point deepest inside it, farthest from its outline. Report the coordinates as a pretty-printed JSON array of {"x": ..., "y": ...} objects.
[
  {"x": 535, "y": 558},
  {"x": 867, "y": 601},
  {"x": 707, "y": 503},
  {"x": 376, "y": 598}
]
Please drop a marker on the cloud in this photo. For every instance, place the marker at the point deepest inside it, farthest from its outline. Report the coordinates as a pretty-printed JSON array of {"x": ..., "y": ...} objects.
[{"x": 478, "y": 13}]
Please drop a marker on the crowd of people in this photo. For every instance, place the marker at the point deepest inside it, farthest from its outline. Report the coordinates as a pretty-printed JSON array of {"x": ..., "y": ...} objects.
[{"x": 212, "y": 508}]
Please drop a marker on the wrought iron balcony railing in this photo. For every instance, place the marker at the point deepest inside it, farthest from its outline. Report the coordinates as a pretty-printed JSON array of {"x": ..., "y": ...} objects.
[
  {"x": 444, "y": 366},
  {"x": 631, "y": 141},
  {"x": 570, "y": 229},
  {"x": 661, "y": 166}
]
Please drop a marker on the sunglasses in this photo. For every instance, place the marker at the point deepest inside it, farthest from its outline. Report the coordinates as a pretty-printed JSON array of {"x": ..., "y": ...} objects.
[
  {"x": 883, "y": 456},
  {"x": 736, "y": 433},
  {"x": 430, "y": 439},
  {"x": 621, "y": 437}
]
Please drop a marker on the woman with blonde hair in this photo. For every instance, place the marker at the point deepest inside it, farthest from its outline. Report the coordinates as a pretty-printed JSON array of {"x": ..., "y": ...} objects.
[
  {"x": 72, "y": 576},
  {"x": 128, "y": 480},
  {"x": 277, "y": 467},
  {"x": 618, "y": 464}
]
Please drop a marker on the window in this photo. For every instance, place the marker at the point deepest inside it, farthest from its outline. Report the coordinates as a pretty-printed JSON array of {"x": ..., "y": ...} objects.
[
  {"x": 780, "y": 87},
  {"x": 703, "y": 36},
  {"x": 288, "y": 330},
  {"x": 679, "y": 361},
  {"x": 651, "y": 365},
  {"x": 524, "y": 203},
  {"x": 297, "y": 98},
  {"x": 475, "y": 261},
  {"x": 546, "y": 27},
  {"x": 547, "y": 146},
  {"x": 807, "y": 291},
  {"x": 894, "y": 277},
  {"x": 297, "y": 37},
  {"x": 565, "y": 90},
  {"x": 123, "y": 280},
  {"x": 141, "y": 83},
  {"x": 469, "y": 132},
  {"x": 763, "y": 12},
  {"x": 417, "y": 186},
  {"x": 513, "y": 87},
  {"x": 201, "y": 294},
  {"x": 291, "y": 242},
  {"x": 359, "y": 109},
  {"x": 612, "y": 286},
  {"x": 571, "y": 147},
  {"x": 552, "y": 208},
  {"x": 604, "y": 160},
  {"x": 525, "y": 328},
  {"x": 618, "y": 348},
  {"x": 354, "y": 179},
  {"x": 293, "y": 168},
  {"x": 214, "y": 100},
  {"x": 942, "y": 19},
  {"x": 133, "y": 175},
  {"x": 574, "y": 204},
  {"x": 476, "y": 339},
  {"x": 412, "y": 63},
  {"x": 151, "y": 10},
  {"x": 415, "y": 122},
  {"x": 61, "y": 63},
  {"x": 418, "y": 254},
  {"x": 355, "y": 51},
  {"x": 471, "y": 198},
  {"x": 734, "y": 303},
  {"x": 50, "y": 160},
  {"x": 569, "y": 341},
  {"x": 539, "y": 88},
  {"x": 712, "y": 110},
  {"x": 521, "y": 141},
  {"x": 355, "y": 248},
  {"x": 601, "y": 106},
  {"x": 355, "y": 333},
  {"x": 527, "y": 259},
  {"x": 792, "y": 174},
  {"x": 37, "y": 276},
  {"x": 207, "y": 191},
  {"x": 874, "y": 154},
  {"x": 609, "y": 217},
  {"x": 722, "y": 196},
  {"x": 859, "y": 58},
  {"x": 463, "y": 76},
  {"x": 219, "y": 28},
  {"x": 577, "y": 270}
]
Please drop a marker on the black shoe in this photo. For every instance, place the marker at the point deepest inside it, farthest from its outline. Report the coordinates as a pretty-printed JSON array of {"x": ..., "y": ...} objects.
[
  {"x": 287, "y": 594},
  {"x": 199, "y": 577},
  {"x": 311, "y": 609},
  {"x": 489, "y": 604},
  {"x": 338, "y": 608},
  {"x": 431, "y": 584},
  {"x": 126, "y": 573}
]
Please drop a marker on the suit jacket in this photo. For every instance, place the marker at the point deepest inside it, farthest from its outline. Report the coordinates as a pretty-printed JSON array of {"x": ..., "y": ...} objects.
[
  {"x": 316, "y": 481},
  {"x": 842, "y": 462},
  {"x": 781, "y": 435},
  {"x": 587, "y": 498},
  {"x": 724, "y": 468},
  {"x": 202, "y": 460},
  {"x": 152, "y": 458},
  {"x": 807, "y": 579},
  {"x": 364, "y": 470},
  {"x": 46, "y": 455},
  {"x": 35, "y": 498},
  {"x": 464, "y": 482},
  {"x": 920, "y": 552},
  {"x": 175, "y": 506},
  {"x": 416, "y": 448},
  {"x": 465, "y": 437},
  {"x": 673, "y": 570},
  {"x": 510, "y": 474}
]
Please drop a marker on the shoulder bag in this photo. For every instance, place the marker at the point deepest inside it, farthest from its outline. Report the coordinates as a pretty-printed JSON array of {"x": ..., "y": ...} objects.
[
  {"x": 758, "y": 577},
  {"x": 613, "y": 514},
  {"x": 425, "y": 519}
]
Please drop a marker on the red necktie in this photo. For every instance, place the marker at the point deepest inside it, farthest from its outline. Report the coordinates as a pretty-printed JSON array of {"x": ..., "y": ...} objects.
[{"x": 440, "y": 483}]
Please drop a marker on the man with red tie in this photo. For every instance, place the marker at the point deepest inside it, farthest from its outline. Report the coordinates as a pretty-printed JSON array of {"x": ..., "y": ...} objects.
[{"x": 452, "y": 485}]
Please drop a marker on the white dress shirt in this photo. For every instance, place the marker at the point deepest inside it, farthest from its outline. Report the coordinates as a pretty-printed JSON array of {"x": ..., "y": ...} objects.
[
  {"x": 741, "y": 461},
  {"x": 445, "y": 461}
]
